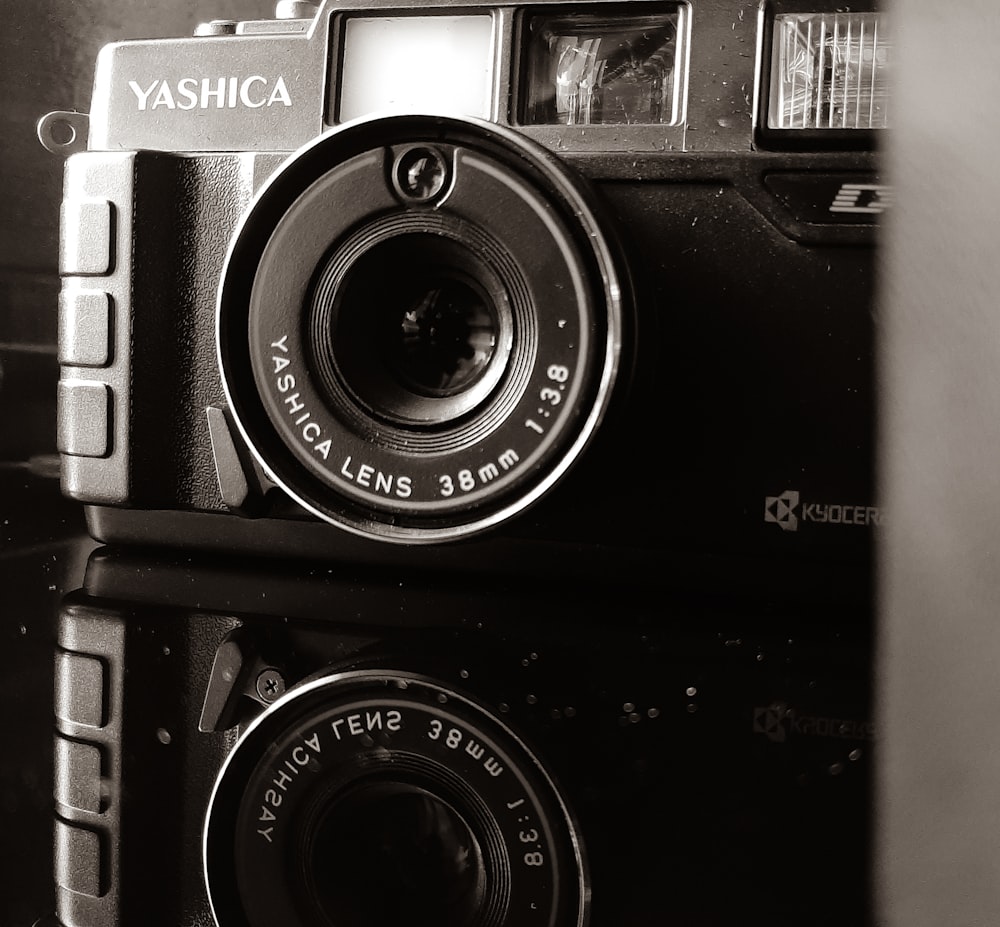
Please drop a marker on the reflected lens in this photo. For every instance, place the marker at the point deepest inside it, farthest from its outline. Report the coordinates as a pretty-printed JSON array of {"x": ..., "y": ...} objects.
[
  {"x": 379, "y": 799},
  {"x": 390, "y": 853}
]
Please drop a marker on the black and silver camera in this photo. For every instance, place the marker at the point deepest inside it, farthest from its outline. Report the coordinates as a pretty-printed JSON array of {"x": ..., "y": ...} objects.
[
  {"x": 258, "y": 746},
  {"x": 605, "y": 299}
]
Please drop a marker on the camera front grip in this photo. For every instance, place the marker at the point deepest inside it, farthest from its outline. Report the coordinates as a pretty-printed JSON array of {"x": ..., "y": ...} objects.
[{"x": 242, "y": 481}]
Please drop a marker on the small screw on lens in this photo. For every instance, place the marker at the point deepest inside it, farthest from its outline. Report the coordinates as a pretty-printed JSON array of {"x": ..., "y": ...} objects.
[
  {"x": 270, "y": 685},
  {"x": 420, "y": 174}
]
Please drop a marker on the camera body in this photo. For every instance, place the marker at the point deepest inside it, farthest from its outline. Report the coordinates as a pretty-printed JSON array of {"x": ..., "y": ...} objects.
[
  {"x": 657, "y": 771},
  {"x": 664, "y": 312}
]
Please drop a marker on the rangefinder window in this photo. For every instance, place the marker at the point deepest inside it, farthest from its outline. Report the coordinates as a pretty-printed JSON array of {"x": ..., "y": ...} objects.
[
  {"x": 829, "y": 71},
  {"x": 588, "y": 69},
  {"x": 428, "y": 64}
]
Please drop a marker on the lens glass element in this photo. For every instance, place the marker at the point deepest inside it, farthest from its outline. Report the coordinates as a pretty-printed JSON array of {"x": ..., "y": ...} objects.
[
  {"x": 415, "y": 330},
  {"x": 447, "y": 334},
  {"x": 389, "y": 853}
]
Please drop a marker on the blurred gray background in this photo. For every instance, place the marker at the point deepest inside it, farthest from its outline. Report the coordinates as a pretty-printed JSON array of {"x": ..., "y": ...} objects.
[{"x": 939, "y": 620}]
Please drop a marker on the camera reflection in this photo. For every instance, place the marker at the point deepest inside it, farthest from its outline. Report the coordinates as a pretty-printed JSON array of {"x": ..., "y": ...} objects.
[{"x": 322, "y": 747}]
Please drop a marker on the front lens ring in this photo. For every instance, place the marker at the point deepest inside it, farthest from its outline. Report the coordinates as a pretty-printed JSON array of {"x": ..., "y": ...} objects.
[{"x": 400, "y": 494}]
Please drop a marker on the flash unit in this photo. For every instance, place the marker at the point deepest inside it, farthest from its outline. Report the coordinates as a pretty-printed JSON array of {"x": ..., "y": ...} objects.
[{"x": 829, "y": 71}]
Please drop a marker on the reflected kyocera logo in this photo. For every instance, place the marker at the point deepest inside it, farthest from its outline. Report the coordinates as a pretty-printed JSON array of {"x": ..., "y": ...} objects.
[
  {"x": 778, "y": 723},
  {"x": 788, "y": 511},
  {"x": 190, "y": 93}
]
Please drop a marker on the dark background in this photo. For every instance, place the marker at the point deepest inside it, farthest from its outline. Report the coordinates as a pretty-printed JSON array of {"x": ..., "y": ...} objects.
[{"x": 47, "y": 54}]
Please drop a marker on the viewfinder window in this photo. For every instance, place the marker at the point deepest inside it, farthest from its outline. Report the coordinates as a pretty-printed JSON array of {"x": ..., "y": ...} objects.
[
  {"x": 418, "y": 64},
  {"x": 829, "y": 71},
  {"x": 586, "y": 69}
]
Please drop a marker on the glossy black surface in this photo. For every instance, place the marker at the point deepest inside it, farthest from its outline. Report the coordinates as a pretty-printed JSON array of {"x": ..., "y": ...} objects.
[
  {"x": 43, "y": 550},
  {"x": 706, "y": 745}
]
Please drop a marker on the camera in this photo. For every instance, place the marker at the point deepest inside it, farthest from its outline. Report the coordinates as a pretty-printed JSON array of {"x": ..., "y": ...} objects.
[
  {"x": 582, "y": 286},
  {"x": 244, "y": 745}
]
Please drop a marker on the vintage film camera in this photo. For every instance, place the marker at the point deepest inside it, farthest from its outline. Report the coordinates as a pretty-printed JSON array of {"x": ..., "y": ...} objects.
[
  {"x": 413, "y": 754},
  {"x": 589, "y": 284}
]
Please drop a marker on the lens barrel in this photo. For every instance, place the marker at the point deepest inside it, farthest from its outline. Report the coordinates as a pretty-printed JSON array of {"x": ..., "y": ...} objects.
[
  {"x": 419, "y": 326},
  {"x": 373, "y": 798}
]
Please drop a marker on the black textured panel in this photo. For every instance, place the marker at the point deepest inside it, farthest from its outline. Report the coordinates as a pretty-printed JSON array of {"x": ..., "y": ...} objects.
[{"x": 185, "y": 212}]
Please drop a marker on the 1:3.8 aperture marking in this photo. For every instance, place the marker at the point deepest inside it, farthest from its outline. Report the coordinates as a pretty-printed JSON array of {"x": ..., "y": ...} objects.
[{"x": 557, "y": 373}]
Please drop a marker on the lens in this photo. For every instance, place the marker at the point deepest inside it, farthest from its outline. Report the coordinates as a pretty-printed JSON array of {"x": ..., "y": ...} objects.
[
  {"x": 377, "y": 798},
  {"x": 420, "y": 326},
  {"x": 391, "y": 853},
  {"x": 416, "y": 330},
  {"x": 446, "y": 336}
]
